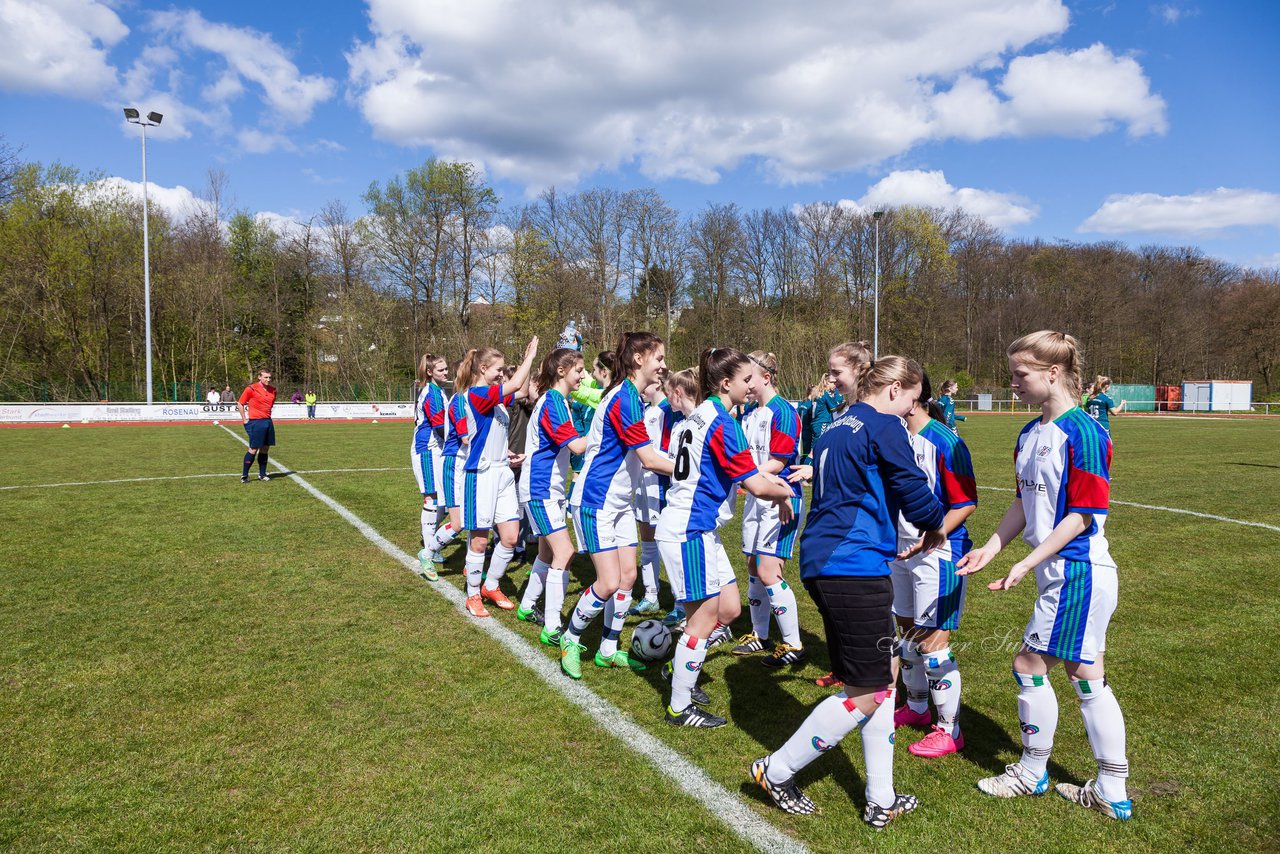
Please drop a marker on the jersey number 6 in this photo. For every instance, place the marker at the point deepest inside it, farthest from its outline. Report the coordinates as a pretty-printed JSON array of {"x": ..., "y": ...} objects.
[{"x": 683, "y": 461}]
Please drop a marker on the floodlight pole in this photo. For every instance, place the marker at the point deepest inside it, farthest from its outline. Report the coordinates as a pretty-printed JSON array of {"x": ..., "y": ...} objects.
[
  {"x": 875, "y": 340},
  {"x": 152, "y": 120}
]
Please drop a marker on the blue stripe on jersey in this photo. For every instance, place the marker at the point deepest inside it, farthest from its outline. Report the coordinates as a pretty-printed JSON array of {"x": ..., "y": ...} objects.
[
  {"x": 950, "y": 595},
  {"x": 1075, "y": 597},
  {"x": 455, "y": 414},
  {"x": 428, "y": 471},
  {"x": 603, "y": 466}
]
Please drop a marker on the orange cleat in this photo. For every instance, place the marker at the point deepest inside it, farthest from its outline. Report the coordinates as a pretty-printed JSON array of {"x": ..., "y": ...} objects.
[
  {"x": 475, "y": 607},
  {"x": 498, "y": 598}
]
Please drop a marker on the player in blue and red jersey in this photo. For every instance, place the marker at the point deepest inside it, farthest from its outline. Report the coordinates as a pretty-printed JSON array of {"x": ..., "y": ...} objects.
[
  {"x": 1063, "y": 462},
  {"x": 260, "y": 397},
  {"x": 425, "y": 454},
  {"x": 550, "y": 439}
]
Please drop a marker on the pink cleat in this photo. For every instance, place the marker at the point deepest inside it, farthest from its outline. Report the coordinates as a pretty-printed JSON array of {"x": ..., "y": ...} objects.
[
  {"x": 936, "y": 744},
  {"x": 904, "y": 716}
]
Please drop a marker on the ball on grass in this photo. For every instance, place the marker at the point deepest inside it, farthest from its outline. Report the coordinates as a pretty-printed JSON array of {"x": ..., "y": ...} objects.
[{"x": 651, "y": 641}]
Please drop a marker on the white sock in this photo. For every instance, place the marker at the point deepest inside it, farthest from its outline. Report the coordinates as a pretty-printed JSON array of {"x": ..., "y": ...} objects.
[
  {"x": 758, "y": 604},
  {"x": 589, "y": 605},
  {"x": 877, "y": 752},
  {"x": 557, "y": 584},
  {"x": 615, "y": 615},
  {"x": 475, "y": 572},
  {"x": 428, "y": 524},
  {"x": 498, "y": 566},
  {"x": 914, "y": 676},
  {"x": 536, "y": 584},
  {"x": 1104, "y": 723},
  {"x": 782, "y": 601},
  {"x": 444, "y": 535},
  {"x": 944, "y": 688},
  {"x": 685, "y": 667},
  {"x": 649, "y": 569},
  {"x": 1038, "y": 717},
  {"x": 828, "y": 723}
]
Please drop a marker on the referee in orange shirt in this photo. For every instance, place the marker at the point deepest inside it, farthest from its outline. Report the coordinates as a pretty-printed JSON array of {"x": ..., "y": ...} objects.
[{"x": 260, "y": 397}]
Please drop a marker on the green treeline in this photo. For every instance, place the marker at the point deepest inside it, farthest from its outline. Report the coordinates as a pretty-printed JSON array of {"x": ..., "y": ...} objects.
[{"x": 435, "y": 263}]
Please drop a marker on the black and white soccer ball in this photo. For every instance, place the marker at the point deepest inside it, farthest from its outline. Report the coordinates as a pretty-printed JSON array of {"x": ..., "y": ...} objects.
[{"x": 651, "y": 641}]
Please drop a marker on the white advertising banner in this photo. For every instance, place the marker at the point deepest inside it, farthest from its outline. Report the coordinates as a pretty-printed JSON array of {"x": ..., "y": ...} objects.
[{"x": 97, "y": 413}]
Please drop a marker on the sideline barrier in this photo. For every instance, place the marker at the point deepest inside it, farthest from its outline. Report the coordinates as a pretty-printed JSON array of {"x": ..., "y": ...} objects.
[{"x": 99, "y": 413}]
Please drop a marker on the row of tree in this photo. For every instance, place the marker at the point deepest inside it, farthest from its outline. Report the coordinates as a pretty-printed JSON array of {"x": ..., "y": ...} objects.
[{"x": 347, "y": 300}]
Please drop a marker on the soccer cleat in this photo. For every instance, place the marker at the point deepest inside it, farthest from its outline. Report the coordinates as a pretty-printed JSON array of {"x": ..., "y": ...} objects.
[
  {"x": 475, "y": 607},
  {"x": 783, "y": 655},
  {"x": 618, "y": 659},
  {"x": 244, "y": 479},
  {"x": 692, "y": 716},
  {"x": 696, "y": 693},
  {"x": 786, "y": 795},
  {"x": 719, "y": 637},
  {"x": 1012, "y": 783},
  {"x": 571, "y": 657},
  {"x": 551, "y": 638},
  {"x": 263, "y": 477},
  {"x": 878, "y": 816},
  {"x": 643, "y": 608},
  {"x": 425, "y": 568},
  {"x": 905, "y": 716},
  {"x": 497, "y": 597},
  {"x": 675, "y": 619},
  {"x": 530, "y": 615},
  {"x": 1089, "y": 797},
  {"x": 828, "y": 680},
  {"x": 751, "y": 643},
  {"x": 436, "y": 557},
  {"x": 937, "y": 743}
]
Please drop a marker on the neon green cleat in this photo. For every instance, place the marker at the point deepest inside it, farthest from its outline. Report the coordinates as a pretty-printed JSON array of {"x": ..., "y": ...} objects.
[
  {"x": 425, "y": 567},
  {"x": 571, "y": 657},
  {"x": 618, "y": 659}
]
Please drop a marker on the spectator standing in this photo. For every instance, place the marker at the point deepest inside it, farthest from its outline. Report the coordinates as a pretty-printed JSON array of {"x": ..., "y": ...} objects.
[
  {"x": 311, "y": 403},
  {"x": 213, "y": 398}
]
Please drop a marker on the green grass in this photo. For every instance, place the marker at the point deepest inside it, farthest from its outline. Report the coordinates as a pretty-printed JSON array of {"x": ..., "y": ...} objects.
[{"x": 201, "y": 664}]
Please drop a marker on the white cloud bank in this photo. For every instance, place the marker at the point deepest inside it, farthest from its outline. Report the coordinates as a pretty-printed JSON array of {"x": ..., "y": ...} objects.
[
  {"x": 546, "y": 91},
  {"x": 58, "y": 46},
  {"x": 1206, "y": 212},
  {"x": 931, "y": 190}
]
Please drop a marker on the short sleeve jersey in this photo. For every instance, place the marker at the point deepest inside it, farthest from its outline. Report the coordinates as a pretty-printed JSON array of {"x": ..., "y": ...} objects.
[
  {"x": 617, "y": 429},
  {"x": 1099, "y": 407},
  {"x": 1064, "y": 467},
  {"x": 547, "y": 439},
  {"x": 711, "y": 454},
  {"x": 259, "y": 399},
  {"x": 773, "y": 431},
  {"x": 457, "y": 426},
  {"x": 944, "y": 459},
  {"x": 428, "y": 417},
  {"x": 487, "y": 409}
]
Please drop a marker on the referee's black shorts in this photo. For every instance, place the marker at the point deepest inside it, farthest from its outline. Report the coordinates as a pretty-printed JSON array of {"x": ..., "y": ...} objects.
[
  {"x": 857, "y": 614},
  {"x": 262, "y": 432}
]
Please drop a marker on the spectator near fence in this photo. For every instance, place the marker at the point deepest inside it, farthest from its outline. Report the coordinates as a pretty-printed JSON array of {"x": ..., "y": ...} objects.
[
  {"x": 311, "y": 403},
  {"x": 213, "y": 398}
]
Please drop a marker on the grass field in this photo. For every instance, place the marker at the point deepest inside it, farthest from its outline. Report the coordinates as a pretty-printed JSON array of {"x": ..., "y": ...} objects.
[{"x": 197, "y": 663}]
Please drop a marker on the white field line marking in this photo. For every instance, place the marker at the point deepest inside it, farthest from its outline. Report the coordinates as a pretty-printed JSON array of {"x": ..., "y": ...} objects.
[
  {"x": 169, "y": 477},
  {"x": 718, "y": 800},
  {"x": 1169, "y": 510}
]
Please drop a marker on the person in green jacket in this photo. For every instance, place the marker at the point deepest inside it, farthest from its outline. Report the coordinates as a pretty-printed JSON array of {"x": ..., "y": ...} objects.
[{"x": 310, "y": 400}]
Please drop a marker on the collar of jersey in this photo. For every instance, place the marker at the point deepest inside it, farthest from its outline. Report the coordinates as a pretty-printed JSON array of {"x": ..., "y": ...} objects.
[{"x": 715, "y": 398}]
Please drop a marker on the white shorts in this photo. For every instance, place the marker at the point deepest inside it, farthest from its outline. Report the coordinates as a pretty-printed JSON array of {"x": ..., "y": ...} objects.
[
  {"x": 428, "y": 469},
  {"x": 927, "y": 590},
  {"x": 546, "y": 516},
  {"x": 489, "y": 497},
  {"x": 453, "y": 475},
  {"x": 763, "y": 534},
  {"x": 1076, "y": 601},
  {"x": 697, "y": 568},
  {"x": 604, "y": 529}
]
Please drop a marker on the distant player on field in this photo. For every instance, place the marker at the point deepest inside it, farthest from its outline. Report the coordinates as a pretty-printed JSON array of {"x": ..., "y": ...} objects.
[
  {"x": 259, "y": 398},
  {"x": 1100, "y": 404}
]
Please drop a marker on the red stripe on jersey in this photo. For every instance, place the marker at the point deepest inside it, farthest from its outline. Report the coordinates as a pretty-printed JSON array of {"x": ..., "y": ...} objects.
[
  {"x": 781, "y": 444},
  {"x": 958, "y": 489},
  {"x": 561, "y": 433},
  {"x": 633, "y": 435},
  {"x": 484, "y": 400},
  {"x": 739, "y": 465},
  {"x": 1086, "y": 492}
]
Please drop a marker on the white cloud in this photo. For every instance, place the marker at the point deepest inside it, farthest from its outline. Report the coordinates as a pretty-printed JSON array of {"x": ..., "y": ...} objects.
[
  {"x": 178, "y": 202},
  {"x": 1205, "y": 212},
  {"x": 930, "y": 189},
  {"x": 58, "y": 46},
  {"x": 1172, "y": 14},
  {"x": 284, "y": 225},
  {"x": 546, "y": 91},
  {"x": 257, "y": 141}
]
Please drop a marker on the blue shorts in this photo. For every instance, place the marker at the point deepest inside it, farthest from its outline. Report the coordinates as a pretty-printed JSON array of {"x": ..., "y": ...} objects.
[{"x": 262, "y": 432}]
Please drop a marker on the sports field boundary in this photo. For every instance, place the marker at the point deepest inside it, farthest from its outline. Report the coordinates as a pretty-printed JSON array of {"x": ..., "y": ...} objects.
[
  {"x": 727, "y": 807},
  {"x": 1178, "y": 510},
  {"x": 174, "y": 477}
]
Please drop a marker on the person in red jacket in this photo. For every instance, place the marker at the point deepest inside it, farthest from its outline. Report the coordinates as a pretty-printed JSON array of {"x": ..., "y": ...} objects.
[{"x": 259, "y": 398}]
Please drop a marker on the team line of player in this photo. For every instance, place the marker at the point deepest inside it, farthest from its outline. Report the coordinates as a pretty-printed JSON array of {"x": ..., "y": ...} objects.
[{"x": 884, "y": 552}]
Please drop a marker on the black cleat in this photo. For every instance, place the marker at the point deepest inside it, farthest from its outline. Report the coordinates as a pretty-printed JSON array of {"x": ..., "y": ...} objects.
[
  {"x": 878, "y": 816},
  {"x": 783, "y": 655},
  {"x": 786, "y": 795},
  {"x": 694, "y": 717}
]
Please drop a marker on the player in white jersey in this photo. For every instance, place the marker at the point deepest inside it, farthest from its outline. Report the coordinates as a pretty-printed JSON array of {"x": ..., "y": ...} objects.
[
  {"x": 772, "y": 427},
  {"x": 489, "y": 487},
  {"x": 928, "y": 595},
  {"x": 648, "y": 502},
  {"x": 617, "y": 449},
  {"x": 549, "y": 440},
  {"x": 427, "y": 458},
  {"x": 711, "y": 458},
  {"x": 1063, "y": 471}
]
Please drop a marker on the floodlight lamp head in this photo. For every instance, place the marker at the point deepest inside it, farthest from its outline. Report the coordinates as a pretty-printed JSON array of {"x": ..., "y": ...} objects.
[
  {"x": 131, "y": 114},
  {"x": 877, "y": 214},
  {"x": 154, "y": 117}
]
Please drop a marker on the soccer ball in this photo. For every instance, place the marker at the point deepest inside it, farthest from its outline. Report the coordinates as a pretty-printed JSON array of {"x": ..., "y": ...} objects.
[{"x": 651, "y": 641}]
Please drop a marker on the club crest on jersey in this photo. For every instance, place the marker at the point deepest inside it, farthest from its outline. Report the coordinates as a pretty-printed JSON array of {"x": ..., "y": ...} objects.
[
  {"x": 695, "y": 666},
  {"x": 820, "y": 745},
  {"x": 1043, "y": 451},
  {"x": 1029, "y": 729}
]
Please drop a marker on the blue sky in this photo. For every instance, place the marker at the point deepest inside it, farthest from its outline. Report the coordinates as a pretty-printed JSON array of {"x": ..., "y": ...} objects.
[{"x": 1137, "y": 122}]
